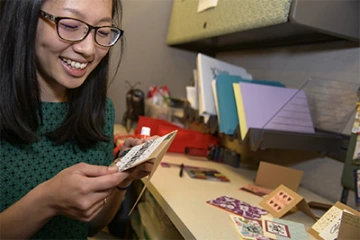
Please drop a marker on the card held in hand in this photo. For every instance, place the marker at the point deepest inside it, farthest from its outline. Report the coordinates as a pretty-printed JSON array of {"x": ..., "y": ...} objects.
[{"x": 141, "y": 153}]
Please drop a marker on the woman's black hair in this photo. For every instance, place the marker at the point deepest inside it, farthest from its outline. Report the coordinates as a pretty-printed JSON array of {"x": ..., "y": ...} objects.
[{"x": 20, "y": 103}]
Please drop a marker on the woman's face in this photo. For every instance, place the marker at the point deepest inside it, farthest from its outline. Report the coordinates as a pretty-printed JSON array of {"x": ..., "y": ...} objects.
[{"x": 55, "y": 56}]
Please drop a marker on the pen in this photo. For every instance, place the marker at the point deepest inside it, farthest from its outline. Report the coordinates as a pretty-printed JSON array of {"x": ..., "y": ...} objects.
[{"x": 181, "y": 170}]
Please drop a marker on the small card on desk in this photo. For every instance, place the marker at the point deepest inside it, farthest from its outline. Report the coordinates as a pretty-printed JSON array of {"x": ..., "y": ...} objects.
[
  {"x": 327, "y": 227},
  {"x": 238, "y": 207},
  {"x": 256, "y": 190},
  {"x": 248, "y": 228},
  {"x": 276, "y": 228},
  {"x": 206, "y": 174},
  {"x": 282, "y": 200},
  {"x": 270, "y": 175}
]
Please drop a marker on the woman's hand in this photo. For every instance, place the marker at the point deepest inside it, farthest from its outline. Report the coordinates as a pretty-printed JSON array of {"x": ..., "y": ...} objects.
[
  {"x": 79, "y": 191},
  {"x": 141, "y": 170},
  {"x": 129, "y": 143}
]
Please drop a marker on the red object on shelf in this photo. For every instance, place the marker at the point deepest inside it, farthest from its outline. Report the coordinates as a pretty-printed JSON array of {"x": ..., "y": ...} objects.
[{"x": 184, "y": 138}]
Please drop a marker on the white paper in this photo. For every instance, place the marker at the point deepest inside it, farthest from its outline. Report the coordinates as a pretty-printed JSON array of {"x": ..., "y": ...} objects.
[
  {"x": 208, "y": 68},
  {"x": 191, "y": 96},
  {"x": 206, "y": 4},
  {"x": 213, "y": 87}
]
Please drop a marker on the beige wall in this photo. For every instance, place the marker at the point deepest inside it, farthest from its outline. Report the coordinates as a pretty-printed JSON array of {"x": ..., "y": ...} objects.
[
  {"x": 149, "y": 60},
  {"x": 146, "y": 57}
]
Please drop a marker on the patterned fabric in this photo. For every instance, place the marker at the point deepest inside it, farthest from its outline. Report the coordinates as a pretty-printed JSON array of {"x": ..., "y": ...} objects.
[{"x": 24, "y": 167}]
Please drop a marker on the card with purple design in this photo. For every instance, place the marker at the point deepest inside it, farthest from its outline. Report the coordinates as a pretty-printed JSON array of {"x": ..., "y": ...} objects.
[{"x": 238, "y": 207}]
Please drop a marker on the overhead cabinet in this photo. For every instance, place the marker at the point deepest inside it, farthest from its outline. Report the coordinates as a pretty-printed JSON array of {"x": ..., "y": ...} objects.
[{"x": 239, "y": 24}]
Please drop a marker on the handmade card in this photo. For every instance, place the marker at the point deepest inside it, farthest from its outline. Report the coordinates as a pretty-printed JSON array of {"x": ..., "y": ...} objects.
[
  {"x": 276, "y": 228},
  {"x": 152, "y": 149},
  {"x": 349, "y": 226},
  {"x": 270, "y": 175},
  {"x": 144, "y": 152},
  {"x": 206, "y": 174},
  {"x": 238, "y": 207},
  {"x": 282, "y": 200},
  {"x": 248, "y": 228},
  {"x": 327, "y": 227},
  {"x": 256, "y": 190}
]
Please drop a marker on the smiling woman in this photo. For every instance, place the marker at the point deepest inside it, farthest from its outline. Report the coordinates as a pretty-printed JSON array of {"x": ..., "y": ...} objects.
[{"x": 56, "y": 124}]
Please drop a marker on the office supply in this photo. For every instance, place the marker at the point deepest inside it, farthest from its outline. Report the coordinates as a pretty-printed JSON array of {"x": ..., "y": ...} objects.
[
  {"x": 181, "y": 170},
  {"x": 224, "y": 155},
  {"x": 198, "y": 172},
  {"x": 271, "y": 175},
  {"x": 327, "y": 226},
  {"x": 248, "y": 228},
  {"x": 268, "y": 107},
  {"x": 276, "y": 228},
  {"x": 238, "y": 207},
  {"x": 282, "y": 200},
  {"x": 208, "y": 69},
  {"x": 227, "y": 112}
]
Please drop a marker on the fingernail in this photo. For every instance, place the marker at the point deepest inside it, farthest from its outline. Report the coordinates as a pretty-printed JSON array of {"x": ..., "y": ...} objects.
[{"x": 113, "y": 169}]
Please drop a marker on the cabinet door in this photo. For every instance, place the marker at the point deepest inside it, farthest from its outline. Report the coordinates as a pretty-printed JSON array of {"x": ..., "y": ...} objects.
[{"x": 187, "y": 25}]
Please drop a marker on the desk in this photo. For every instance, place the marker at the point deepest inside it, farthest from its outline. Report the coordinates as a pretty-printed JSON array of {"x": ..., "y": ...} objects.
[{"x": 184, "y": 199}]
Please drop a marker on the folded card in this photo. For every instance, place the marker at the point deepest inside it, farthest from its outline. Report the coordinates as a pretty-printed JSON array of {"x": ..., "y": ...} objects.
[{"x": 238, "y": 207}]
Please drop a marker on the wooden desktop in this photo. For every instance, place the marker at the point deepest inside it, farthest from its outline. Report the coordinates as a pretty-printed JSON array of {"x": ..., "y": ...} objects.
[{"x": 184, "y": 199}]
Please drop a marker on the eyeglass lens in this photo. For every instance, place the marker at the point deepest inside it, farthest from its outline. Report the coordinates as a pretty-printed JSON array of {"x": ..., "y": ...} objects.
[{"x": 74, "y": 30}]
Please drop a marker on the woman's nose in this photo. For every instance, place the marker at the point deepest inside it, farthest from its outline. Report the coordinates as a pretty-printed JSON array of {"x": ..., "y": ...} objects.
[{"x": 87, "y": 46}]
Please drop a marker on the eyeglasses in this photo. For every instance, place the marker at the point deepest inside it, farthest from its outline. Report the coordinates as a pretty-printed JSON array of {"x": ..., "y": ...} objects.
[{"x": 75, "y": 30}]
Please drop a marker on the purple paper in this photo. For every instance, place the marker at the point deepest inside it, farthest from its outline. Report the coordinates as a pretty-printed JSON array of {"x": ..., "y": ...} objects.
[{"x": 238, "y": 207}]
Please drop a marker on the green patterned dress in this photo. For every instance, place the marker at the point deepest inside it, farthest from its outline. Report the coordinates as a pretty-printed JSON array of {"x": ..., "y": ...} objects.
[{"x": 25, "y": 167}]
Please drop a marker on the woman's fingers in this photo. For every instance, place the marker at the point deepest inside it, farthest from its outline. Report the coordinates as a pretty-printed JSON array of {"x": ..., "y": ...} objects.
[
  {"x": 94, "y": 170},
  {"x": 102, "y": 183}
]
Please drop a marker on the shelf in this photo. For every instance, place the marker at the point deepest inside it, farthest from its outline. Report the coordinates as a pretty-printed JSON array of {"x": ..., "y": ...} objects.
[
  {"x": 331, "y": 144},
  {"x": 320, "y": 141},
  {"x": 295, "y": 22}
]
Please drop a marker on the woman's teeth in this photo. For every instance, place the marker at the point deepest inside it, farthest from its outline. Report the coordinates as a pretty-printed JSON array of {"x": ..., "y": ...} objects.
[{"x": 73, "y": 64}]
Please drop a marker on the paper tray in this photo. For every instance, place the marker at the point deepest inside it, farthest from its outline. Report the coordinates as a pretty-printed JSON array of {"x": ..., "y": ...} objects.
[{"x": 332, "y": 144}]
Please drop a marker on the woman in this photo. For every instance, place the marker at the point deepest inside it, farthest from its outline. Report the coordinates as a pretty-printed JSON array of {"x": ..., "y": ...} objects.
[{"x": 56, "y": 122}]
